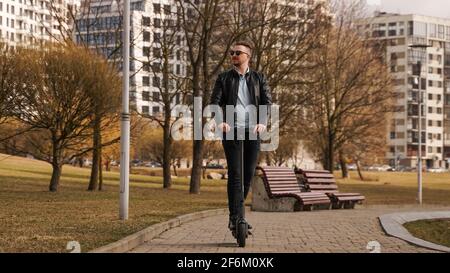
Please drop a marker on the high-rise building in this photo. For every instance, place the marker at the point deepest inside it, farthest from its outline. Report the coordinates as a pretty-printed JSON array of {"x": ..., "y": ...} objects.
[
  {"x": 397, "y": 32},
  {"x": 99, "y": 26},
  {"x": 29, "y": 22}
]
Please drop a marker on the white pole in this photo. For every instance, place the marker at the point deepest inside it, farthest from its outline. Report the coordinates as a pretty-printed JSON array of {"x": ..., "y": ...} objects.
[
  {"x": 419, "y": 154},
  {"x": 125, "y": 118}
]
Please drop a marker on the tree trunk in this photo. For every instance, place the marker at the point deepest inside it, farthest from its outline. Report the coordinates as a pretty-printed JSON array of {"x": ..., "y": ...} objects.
[
  {"x": 57, "y": 167},
  {"x": 358, "y": 167},
  {"x": 167, "y": 152},
  {"x": 100, "y": 164},
  {"x": 93, "y": 181},
  {"x": 56, "y": 175},
  {"x": 175, "y": 170},
  {"x": 329, "y": 154},
  {"x": 197, "y": 162},
  {"x": 343, "y": 164},
  {"x": 108, "y": 165}
]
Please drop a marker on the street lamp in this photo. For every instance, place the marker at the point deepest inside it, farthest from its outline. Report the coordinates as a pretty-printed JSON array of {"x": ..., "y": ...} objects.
[
  {"x": 419, "y": 150},
  {"x": 125, "y": 117}
]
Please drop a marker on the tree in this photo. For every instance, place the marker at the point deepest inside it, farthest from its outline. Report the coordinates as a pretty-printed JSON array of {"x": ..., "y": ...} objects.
[
  {"x": 210, "y": 28},
  {"x": 105, "y": 96},
  {"x": 151, "y": 141},
  {"x": 351, "y": 94},
  {"x": 7, "y": 81},
  {"x": 54, "y": 100}
]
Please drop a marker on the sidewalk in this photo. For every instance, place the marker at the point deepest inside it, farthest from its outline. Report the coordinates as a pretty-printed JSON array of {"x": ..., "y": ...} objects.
[{"x": 316, "y": 231}]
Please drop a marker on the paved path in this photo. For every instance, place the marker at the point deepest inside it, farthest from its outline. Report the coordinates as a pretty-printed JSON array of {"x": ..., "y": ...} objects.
[{"x": 316, "y": 231}]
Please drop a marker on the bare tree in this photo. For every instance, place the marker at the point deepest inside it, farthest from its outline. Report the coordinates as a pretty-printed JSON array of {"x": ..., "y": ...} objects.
[
  {"x": 210, "y": 28},
  {"x": 351, "y": 93},
  {"x": 55, "y": 101},
  {"x": 159, "y": 61},
  {"x": 8, "y": 83}
]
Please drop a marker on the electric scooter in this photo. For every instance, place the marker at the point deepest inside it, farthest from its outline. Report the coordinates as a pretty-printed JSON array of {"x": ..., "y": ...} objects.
[{"x": 241, "y": 232}]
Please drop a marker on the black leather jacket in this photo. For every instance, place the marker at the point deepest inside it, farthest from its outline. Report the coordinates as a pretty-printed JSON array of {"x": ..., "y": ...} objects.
[{"x": 226, "y": 89}]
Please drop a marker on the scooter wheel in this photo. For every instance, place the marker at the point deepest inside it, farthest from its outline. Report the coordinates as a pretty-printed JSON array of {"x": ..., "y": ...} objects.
[{"x": 242, "y": 230}]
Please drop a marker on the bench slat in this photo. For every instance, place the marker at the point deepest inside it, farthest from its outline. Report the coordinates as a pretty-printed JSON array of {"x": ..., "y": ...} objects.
[
  {"x": 318, "y": 175},
  {"x": 321, "y": 180},
  {"x": 322, "y": 187}
]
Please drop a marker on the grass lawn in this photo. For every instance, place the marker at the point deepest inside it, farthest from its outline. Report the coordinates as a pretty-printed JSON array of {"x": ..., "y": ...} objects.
[
  {"x": 436, "y": 230},
  {"x": 35, "y": 220}
]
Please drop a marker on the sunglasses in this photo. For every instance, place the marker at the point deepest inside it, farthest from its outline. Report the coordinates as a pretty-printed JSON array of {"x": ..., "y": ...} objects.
[{"x": 237, "y": 52}]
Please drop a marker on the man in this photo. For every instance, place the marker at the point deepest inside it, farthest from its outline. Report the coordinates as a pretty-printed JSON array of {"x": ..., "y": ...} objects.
[{"x": 240, "y": 87}]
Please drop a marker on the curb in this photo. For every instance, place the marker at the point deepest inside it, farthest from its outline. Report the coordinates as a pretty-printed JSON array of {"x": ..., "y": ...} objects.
[
  {"x": 140, "y": 237},
  {"x": 392, "y": 224}
]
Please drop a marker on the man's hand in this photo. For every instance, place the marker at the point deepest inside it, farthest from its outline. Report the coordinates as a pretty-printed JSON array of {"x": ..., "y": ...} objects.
[
  {"x": 224, "y": 127},
  {"x": 259, "y": 128}
]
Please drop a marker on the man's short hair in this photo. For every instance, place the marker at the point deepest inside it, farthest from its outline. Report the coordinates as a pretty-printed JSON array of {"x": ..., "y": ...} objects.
[{"x": 246, "y": 44}]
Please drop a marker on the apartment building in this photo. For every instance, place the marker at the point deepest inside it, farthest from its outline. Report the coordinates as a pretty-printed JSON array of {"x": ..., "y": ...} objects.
[
  {"x": 99, "y": 26},
  {"x": 397, "y": 32},
  {"x": 35, "y": 21}
]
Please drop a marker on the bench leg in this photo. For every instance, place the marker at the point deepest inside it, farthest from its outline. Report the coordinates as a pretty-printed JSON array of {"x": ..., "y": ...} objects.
[
  {"x": 349, "y": 205},
  {"x": 336, "y": 205},
  {"x": 298, "y": 206}
]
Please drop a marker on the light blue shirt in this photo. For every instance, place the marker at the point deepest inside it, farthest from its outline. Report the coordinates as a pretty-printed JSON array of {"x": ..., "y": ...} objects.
[{"x": 243, "y": 99}]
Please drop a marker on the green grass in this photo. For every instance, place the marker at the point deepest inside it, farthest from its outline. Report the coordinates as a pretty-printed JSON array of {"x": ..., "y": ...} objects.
[
  {"x": 436, "y": 230},
  {"x": 35, "y": 220},
  {"x": 393, "y": 188}
]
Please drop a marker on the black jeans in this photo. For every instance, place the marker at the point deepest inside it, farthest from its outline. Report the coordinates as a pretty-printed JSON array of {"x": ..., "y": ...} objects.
[{"x": 233, "y": 156}]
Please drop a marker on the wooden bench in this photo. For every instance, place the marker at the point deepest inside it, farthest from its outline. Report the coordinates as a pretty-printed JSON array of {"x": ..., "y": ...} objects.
[
  {"x": 322, "y": 181},
  {"x": 282, "y": 182}
]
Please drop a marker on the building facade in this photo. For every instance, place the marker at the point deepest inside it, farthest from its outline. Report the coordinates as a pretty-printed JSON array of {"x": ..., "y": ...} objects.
[
  {"x": 99, "y": 27},
  {"x": 397, "y": 32},
  {"x": 29, "y": 22}
]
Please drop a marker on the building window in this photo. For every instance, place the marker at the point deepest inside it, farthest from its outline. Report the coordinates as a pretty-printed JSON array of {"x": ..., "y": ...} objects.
[
  {"x": 157, "y": 37},
  {"x": 156, "y": 97},
  {"x": 157, "y": 8},
  {"x": 155, "y": 109},
  {"x": 145, "y": 110},
  {"x": 156, "y": 81},
  {"x": 146, "y": 36},
  {"x": 156, "y": 52},
  {"x": 146, "y": 81},
  {"x": 146, "y": 96},
  {"x": 167, "y": 9},
  {"x": 157, "y": 22},
  {"x": 146, "y": 51},
  {"x": 146, "y": 21}
]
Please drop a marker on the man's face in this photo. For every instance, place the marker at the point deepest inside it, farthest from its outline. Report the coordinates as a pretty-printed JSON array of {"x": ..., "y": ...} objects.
[{"x": 243, "y": 57}]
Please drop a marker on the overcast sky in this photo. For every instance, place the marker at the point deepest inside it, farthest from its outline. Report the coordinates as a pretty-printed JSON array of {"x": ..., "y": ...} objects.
[{"x": 439, "y": 8}]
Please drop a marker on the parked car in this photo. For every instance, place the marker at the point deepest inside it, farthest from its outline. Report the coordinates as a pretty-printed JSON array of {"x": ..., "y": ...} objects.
[
  {"x": 381, "y": 168},
  {"x": 436, "y": 170},
  {"x": 351, "y": 167},
  {"x": 214, "y": 166},
  {"x": 405, "y": 169},
  {"x": 153, "y": 164},
  {"x": 136, "y": 162}
]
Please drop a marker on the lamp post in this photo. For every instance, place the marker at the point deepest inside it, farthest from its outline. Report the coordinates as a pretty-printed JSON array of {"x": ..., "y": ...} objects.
[
  {"x": 419, "y": 150},
  {"x": 125, "y": 117}
]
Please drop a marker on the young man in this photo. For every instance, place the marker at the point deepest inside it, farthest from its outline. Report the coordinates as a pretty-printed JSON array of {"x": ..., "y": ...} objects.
[{"x": 240, "y": 87}]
